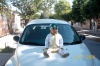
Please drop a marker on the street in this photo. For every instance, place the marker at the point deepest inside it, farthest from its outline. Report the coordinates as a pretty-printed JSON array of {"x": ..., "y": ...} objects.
[
  {"x": 91, "y": 43},
  {"x": 4, "y": 57},
  {"x": 94, "y": 47}
]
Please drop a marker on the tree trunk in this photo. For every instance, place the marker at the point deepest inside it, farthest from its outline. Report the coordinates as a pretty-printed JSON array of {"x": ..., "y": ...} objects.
[
  {"x": 10, "y": 28},
  {"x": 26, "y": 21},
  {"x": 81, "y": 26},
  {"x": 9, "y": 23},
  {"x": 90, "y": 24}
]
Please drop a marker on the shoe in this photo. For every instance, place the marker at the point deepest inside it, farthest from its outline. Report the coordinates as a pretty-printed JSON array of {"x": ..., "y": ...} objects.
[
  {"x": 65, "y": 55},
  {"x": 46, "y": 54}
]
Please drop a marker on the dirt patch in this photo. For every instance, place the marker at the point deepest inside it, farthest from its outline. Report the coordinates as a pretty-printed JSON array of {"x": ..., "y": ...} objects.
[{"x": 7, "y": 50}]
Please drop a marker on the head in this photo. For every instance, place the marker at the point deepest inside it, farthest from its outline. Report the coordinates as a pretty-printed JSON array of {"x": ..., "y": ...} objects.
[{"x": 53, "y": 28}]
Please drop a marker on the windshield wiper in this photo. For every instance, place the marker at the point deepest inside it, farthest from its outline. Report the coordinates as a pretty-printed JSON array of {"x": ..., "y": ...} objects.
[
  {"x": 67, "y": 43},
  {"x": 76, "y": 42},
  {"x": 32, "y": 43},
  {"x": 72, "y": 43}
]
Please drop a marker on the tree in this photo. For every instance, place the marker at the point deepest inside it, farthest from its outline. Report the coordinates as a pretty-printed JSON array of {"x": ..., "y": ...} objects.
[
  {"x": 77, "y": 14},
  {"x": 31, "y": 8},
  {"x": 10, "y": 20},
  {"x": 6, "y": 14},
  {"x": 62, "y": 7},
  {"x": 3, "y": 5},
  {"x": 62, "y": 10},
  {"x": 47, "y": 8},
  {"x": 66, "y": 17},
  {"x": 27, "y": 8},
  {"x": 92, "y": 10},
  {"x": 85, "y": 9}
]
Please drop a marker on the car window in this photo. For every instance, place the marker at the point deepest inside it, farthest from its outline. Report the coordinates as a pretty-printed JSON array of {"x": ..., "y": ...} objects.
[
  {"x": 35, "y": 34},
  {"x": 68, "y": 33}
]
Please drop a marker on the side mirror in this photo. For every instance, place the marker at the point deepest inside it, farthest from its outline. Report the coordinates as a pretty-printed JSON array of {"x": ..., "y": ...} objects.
[
  {"x": 16, "y": 38},
  {"x": 82, "y": 37}
]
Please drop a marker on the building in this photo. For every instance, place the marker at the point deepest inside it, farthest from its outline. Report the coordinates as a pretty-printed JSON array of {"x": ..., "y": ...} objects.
[{"x": 87, "y": 25}]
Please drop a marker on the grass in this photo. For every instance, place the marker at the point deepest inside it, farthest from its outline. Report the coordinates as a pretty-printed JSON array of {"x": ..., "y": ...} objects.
[
  {"x": 7, "y": 50},
  {"x": 0, "y": 50}
]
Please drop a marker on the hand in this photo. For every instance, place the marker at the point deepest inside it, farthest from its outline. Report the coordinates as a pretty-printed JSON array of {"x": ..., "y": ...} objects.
[{"x": 45, "y": 49}]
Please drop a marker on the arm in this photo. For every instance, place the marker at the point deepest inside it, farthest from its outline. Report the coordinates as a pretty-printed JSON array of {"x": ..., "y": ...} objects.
[
  {"x": 47, "y": 42},
  {"x": 61, "y": 42}
]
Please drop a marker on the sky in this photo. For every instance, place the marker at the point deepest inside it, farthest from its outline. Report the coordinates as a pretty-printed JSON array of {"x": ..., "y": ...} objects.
[{"x": 70, "y": 1}]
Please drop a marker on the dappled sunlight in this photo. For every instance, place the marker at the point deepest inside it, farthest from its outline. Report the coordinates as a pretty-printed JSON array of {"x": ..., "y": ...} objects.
[
  {"x": 91, "y": 36},
  {"x": 83, "y": 31},
  {"x": 7, "y": 41}
]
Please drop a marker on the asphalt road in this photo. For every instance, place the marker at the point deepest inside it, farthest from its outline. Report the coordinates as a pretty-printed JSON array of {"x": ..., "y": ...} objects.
[
  {"x": 4, "y": 57},
  {"x": 94, "y": 47}
]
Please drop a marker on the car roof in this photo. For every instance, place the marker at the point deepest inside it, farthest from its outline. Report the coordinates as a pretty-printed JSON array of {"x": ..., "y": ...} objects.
[{"x": 47, "y": 21}]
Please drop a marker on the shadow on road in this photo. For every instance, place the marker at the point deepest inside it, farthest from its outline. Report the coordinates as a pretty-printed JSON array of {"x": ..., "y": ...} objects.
[{"x": 7, "y": 50}]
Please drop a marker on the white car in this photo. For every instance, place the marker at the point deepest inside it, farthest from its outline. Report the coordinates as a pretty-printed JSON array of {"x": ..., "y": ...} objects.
[{"x": 29, "y": 51}]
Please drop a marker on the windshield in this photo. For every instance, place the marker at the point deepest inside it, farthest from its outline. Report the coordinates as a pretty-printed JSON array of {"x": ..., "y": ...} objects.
[{"x": 35, "y": 34}]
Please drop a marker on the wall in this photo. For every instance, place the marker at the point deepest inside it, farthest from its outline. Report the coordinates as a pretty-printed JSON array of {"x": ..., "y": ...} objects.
[{"x": 84, "y": 26}]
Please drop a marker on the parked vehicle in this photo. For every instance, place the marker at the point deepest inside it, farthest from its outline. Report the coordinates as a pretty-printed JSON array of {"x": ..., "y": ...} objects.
[{"x": 29, "y": 51}]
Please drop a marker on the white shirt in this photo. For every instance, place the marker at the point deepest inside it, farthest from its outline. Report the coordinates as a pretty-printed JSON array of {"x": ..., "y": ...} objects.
[{"x": 58, "y": 40}]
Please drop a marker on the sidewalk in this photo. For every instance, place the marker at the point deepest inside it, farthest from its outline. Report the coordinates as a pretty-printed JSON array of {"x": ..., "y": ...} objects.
[
  {"x": 90, "y": 34},
  {"x": 88, "y": 31},
  {"x": 7, "y": 41}
]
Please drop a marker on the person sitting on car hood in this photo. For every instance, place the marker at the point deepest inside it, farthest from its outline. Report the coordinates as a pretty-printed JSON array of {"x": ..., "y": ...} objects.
[{"x": 54, "y": 42}]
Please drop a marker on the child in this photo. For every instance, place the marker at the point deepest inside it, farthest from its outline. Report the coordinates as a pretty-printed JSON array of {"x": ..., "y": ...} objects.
[{"x": 54, "y": 42}]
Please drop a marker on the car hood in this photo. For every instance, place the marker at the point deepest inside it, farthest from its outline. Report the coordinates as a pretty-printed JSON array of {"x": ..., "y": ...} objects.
[{"x": 33, "y": 56}]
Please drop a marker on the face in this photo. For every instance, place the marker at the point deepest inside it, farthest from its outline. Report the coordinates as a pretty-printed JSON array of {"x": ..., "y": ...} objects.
[{"x": 54, "y": 31}]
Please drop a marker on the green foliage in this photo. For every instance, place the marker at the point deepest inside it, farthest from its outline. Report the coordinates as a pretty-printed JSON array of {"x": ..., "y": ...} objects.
[
  {"x": 62, "y": 7},
  {"x": 29, "y": 8},
  {"x": 52, "y": 16},
  {"x": 80, "y": 11},
  {"x": 25, "y": 6},
  {"x": 77, "y": 11},
  {"x": 3, "y": 5},
  {"x": 47, "y": 8},
  {"x": 47, "y": 4},
  {"x": 62, "y": 10},
  {"x": 85, "y": 9},
  {"x": 92, "y": 9},
  {"x": 66, "y": 17}
]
